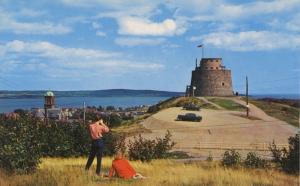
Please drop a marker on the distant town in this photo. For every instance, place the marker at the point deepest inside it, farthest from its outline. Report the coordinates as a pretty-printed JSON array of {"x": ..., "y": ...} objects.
[{"x": 51, "y": 112}]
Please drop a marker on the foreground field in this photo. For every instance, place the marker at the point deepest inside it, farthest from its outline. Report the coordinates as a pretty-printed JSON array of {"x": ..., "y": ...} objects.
[{"x": 70, "y": 171}]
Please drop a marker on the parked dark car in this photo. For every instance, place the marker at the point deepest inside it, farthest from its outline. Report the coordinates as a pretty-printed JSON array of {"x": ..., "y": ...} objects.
[
  {"x": 191, "y": 107},
  {"x": 189, "y": 117}
]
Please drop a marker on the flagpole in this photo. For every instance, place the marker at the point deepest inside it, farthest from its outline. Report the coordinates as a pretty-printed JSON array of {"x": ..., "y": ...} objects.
[{"x": 202, "y": 46}]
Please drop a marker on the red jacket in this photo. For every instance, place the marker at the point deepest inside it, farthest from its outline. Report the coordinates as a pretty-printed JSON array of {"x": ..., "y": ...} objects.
[{"x": 122, "y": 168}]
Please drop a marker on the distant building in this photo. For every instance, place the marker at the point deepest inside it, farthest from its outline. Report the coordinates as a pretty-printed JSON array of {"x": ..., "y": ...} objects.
[
  {"x": 211, "y": 78},
  {"x": 50, "y": 111},
  {"x": 12, "y": 115},
  {"x": 38, "y": 112},
  {"x": 55, "y": 113}
]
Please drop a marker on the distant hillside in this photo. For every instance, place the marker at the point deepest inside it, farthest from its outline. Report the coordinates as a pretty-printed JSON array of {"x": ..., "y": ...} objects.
[{"x": 90, "y": 93}]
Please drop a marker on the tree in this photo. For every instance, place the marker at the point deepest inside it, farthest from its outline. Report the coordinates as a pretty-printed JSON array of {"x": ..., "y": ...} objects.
[
  {"x": 287, "y": 159},
  {"x": 20, "y": 150}
]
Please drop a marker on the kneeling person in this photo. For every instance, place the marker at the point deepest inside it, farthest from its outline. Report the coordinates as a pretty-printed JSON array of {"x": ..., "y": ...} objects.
[{"x": 122, "y": 168}]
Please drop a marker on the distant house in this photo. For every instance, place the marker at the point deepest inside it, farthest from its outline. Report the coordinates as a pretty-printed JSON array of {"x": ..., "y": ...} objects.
[
  {"x": 38, "y": 112},
  {"x": 55, "y": 113},
  {"x": 12, "y": 115}
]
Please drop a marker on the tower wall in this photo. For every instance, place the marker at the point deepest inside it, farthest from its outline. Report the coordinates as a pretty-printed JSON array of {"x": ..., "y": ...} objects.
[{"x": 212, "y": 82}]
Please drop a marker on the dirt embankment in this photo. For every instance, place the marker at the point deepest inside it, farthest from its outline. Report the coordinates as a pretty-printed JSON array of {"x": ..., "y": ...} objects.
[{"x": 220, "y": 130}]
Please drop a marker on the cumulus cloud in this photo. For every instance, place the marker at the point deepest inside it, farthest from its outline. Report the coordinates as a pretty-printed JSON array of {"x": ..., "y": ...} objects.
[
  {"x": 250, "y": 40},
  {"x": 141, "y": 26},
  {"x": 137, "y": 41}
]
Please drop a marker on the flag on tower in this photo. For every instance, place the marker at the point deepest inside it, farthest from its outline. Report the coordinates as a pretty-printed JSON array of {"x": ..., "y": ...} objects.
[{"x": 200, "y": 45}]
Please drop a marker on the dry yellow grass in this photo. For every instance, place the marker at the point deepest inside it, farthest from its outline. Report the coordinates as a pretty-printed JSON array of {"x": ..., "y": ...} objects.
[{"x": 70, "y": 171}]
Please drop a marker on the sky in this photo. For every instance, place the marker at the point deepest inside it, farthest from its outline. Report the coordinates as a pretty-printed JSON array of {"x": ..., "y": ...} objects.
[{"x": 139, "y": 44}]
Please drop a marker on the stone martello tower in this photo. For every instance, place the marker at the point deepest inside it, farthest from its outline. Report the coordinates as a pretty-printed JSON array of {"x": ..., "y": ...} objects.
[{"x": 211, "y": 78}]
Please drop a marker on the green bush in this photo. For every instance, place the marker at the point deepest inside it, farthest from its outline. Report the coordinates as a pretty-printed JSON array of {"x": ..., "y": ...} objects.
[
  {"x": 64, "y": 139},
  {"x": 209, "y": 157},
  {"x": 231, "y": 158},
  {"x": 73, "y": 139},
  {"x": 113, "y": 142},
  {"x": 254, "y": 161},
  {"x": 20, "y": 150},
  {"x": 24, "y": 140},
  {"x": 146, "y": 150},
  {"x": 287, "y": 159}
]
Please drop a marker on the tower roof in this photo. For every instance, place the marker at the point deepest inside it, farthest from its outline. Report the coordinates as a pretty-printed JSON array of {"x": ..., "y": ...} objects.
[{"x": 49, "y": 93}]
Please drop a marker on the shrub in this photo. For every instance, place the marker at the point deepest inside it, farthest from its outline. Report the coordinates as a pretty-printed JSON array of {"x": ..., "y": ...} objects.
[
  {"x": 153, "y": 109},
  {"x": 114, "y": 120},
  {"x": 254, "y": 161},
  {"x": 287, "y": 159},
  {"x": 112, "y": 143},
  {"x": 19, "y": 145},
  {"x": 209, "y": 157},
  {"x": 231, "y": 158},
  {"x": 146, "y": 150},
  {"x": 110, "y": 108},
  {"x": 73, "y": 139},
  {"x": 163, "y": 146}
]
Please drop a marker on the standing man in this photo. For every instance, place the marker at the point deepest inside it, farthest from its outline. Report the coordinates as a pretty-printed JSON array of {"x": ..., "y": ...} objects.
[{"x": 97, "y": 129}]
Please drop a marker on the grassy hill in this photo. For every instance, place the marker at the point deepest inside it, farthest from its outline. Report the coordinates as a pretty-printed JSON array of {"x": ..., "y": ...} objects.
[
  {"x": 179, "y": 102},
  {"x": 282, "y": 110}
]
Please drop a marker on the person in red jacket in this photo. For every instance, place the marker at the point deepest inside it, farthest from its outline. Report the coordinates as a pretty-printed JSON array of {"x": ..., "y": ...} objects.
[{"x": 121, "y": 168}]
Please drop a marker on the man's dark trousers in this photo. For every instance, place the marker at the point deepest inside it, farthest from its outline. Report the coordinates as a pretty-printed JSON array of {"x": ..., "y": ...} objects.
[{"x": 96, "y": 150}]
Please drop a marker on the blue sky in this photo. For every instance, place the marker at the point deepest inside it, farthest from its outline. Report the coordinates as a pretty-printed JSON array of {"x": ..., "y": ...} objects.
[{"x": 138, "y": 44}]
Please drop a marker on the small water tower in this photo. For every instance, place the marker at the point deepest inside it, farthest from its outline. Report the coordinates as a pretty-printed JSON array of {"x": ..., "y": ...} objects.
[
  {"x": 49, "y": 100},
  {"x": 48, "y": 104}
]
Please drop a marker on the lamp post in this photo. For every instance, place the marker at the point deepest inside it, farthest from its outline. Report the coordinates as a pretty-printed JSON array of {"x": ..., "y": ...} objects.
[
  {"x": 247, "y": 101},
  {"x": 194, "y": 88}
]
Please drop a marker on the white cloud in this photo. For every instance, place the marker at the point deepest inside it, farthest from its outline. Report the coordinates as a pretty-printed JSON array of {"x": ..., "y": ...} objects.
[
  {"x": 137, "y": 41},
  {"x": 294, "y": 23},
  {"x": 111, "y": 4},
  {"x": 100, "y": 34},
  {"x": 46, "y": 49},
  {"x": 250, "y": 40},
  {"x": 29, "y": 13},
  {"x": 54, "y": 60},
  {"x": 141, "y": 26},
  {"x": 222, "y": 12},
  {"x": 96, "y": 25},
  {"x": 7, "y": 23}
]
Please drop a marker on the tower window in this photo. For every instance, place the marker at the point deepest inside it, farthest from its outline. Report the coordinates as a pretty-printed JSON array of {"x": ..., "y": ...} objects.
[
  {"x": 223, "y": 84},
  {"x": 211, "y": 67}
]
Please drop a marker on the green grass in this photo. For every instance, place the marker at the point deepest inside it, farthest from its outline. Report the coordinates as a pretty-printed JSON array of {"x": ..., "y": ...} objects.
[
  {"x": 181, "y": 101},
  {"x": 280, "y": 111},
  {"x": 227, "y": 104}
]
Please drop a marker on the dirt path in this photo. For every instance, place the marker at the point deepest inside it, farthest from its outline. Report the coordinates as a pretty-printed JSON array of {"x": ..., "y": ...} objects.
[
  {"x": 253, "y": 110},
  {"x": 219, "y": 130}
]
